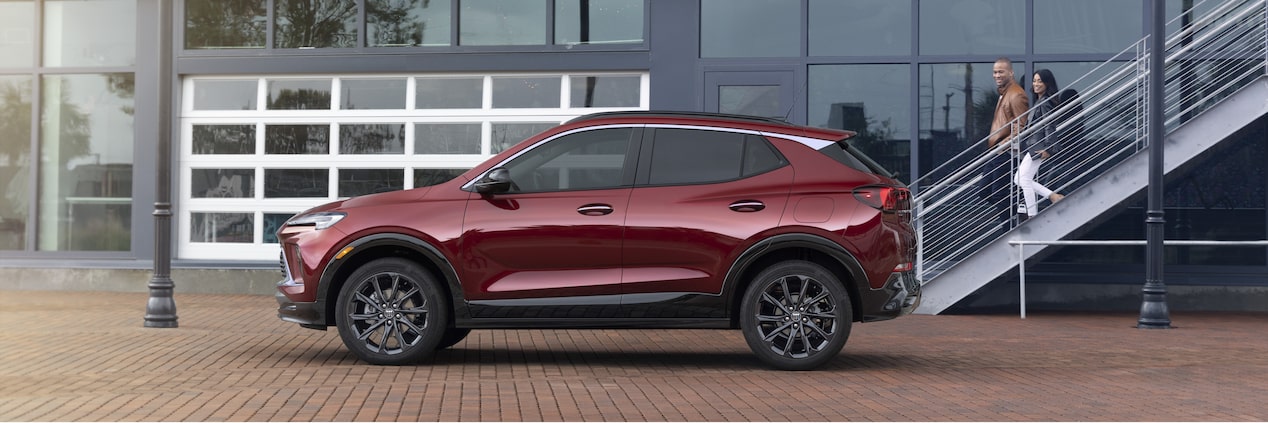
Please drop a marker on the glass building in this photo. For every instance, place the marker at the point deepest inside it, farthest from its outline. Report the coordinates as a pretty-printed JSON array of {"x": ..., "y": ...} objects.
[{"x": 279, "y": 105}]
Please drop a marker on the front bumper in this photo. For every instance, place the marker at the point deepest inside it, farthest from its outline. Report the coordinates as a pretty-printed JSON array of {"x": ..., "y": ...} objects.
[{"x": 309, "y": 315}]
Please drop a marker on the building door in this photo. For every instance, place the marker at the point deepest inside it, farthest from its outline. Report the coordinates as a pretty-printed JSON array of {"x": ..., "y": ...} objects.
[{"x": 766, "y": 93}]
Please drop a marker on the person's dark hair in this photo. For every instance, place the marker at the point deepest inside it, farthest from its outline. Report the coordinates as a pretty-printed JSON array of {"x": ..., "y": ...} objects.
[{"x": 1050, "y": 89}]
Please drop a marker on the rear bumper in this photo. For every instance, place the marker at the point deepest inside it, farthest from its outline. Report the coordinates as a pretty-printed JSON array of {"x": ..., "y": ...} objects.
[
  {"x": 898, "y": 297},
  {"x": 309, "y": 315}
]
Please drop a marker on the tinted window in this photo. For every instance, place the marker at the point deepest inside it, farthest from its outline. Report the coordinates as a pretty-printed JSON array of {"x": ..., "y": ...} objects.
[
  {"x": 584, "y": 160},
  {"x": 685, "y": 156},
  {"x": 759, "y": 157}
]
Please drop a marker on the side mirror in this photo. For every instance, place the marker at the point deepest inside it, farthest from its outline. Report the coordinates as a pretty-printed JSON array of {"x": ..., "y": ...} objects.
[{"x": 496, "y": 181}]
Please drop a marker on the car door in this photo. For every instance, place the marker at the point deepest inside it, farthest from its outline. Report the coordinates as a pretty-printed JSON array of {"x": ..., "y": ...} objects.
[
  {"x": 551, "y": 246},
  {"x": 700, "y": 196}
]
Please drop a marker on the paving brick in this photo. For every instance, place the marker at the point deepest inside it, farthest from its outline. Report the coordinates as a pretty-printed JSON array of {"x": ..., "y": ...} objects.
[{"x": 85, "y": 356}]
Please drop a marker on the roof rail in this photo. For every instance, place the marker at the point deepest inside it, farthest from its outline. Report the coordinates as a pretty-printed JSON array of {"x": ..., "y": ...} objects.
[{"x": 677, "y": 113}]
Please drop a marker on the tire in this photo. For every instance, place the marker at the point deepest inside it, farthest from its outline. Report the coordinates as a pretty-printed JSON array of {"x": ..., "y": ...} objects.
[
  {"x": 452, "y": 337},
  {"x": 391, "y": 312},
  {"x": 796, "y": 315}
]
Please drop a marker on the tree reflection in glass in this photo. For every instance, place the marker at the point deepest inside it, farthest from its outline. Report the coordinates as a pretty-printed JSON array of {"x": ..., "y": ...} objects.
[
  {"x": 217, "y": 24},
  {"x": 315, "y": 23},
  {"x": 391, "y": 23},
  {"x": 15, "y": 153}
]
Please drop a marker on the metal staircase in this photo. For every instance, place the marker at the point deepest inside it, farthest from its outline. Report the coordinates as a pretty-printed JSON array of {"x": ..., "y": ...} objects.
[{"x": 1216, "y": 82}]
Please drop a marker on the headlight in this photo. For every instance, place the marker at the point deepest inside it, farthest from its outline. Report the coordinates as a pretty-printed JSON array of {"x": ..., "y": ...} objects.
[{"x": 319, "y": 221}]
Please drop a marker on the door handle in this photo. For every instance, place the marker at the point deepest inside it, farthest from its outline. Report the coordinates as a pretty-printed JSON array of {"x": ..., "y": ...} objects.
[
  {"x": 747, "y": 206},
  {"x": 595, "y": 209}
]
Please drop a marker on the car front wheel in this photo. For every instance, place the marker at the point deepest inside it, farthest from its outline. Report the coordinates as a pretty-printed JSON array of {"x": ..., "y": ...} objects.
[
  {"x": 391, "y": 312},
  {"x": 796, "y": 315}
]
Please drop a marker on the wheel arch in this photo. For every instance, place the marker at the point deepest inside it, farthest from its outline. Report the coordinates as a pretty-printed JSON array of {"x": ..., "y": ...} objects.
[
  {"x": 372, "y": 247},
  {"x": 783, "y": 247}
]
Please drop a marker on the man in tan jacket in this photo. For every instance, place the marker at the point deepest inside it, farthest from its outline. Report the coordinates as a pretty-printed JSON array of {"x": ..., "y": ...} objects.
[{"x": 1012, "y": 104}]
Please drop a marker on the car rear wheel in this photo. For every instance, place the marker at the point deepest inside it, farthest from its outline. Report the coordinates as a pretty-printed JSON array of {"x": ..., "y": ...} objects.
[
  {"x": 391, "y": 312},
  {"x": 796, "y": 315}
]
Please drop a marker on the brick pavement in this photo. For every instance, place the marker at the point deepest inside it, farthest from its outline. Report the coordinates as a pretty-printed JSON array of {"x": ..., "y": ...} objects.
[{"x": 80, "y": 356}]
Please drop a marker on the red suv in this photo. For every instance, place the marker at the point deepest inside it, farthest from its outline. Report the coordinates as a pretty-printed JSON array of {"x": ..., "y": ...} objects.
[{"x": 618, "y": 220}]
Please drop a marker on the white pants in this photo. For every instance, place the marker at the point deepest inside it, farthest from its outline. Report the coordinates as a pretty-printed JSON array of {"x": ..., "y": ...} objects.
[{"x": 1025, "y": 179}]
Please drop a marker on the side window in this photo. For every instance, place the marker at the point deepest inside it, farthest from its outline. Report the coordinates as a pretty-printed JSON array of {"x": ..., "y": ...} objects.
[
  {"x": 583, "y": 160},
  {"x": 687, "y": 156}
]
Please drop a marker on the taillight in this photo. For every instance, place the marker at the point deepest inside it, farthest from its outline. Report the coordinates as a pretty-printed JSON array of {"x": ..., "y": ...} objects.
[{"x": 885, "y": 198}]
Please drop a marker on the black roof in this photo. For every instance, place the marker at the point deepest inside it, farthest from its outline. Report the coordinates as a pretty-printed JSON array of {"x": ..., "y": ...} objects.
[{"x": 683, "y": 114}]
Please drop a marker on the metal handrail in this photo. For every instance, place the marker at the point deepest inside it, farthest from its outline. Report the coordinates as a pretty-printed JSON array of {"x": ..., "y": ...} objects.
[{"x": 970, "y": 200}]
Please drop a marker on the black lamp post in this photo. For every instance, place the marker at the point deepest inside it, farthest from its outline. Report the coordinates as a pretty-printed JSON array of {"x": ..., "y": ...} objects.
[
  {"x": 1153, "y": 308},
  {"x": 160, "y": 310}
]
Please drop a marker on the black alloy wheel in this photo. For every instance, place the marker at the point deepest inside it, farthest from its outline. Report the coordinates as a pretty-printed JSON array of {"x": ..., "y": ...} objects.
[
  {"x": 391, "y": 312},
  {"x": 796, "y": 315}
]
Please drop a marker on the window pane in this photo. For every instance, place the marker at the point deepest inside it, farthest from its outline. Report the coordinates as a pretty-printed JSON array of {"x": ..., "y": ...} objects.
[
  {"x": 15, "y": 157},
  {"x": 502, "y": 23},
  {"x": 742, "y": 28},
  {"x": 872, "y": 100},
  {"x": 407, "y": 23},
  {"x": 605, "y": 91},
  {"x": 754, "y": 100},
  {"x": 447, "y": 138},
  {"x": 685, "y": 156},
  {"x": 993, "y": 27},
  {"x": 506, "y": 135},
  {"x": 584, "y": 160},
  {"x": 598, "y": 21},
  {"x": 315, "y": 23},
  {"x": 448, "y": 93},
  {"x": 526, "y": 92},
  {"x": 297, "y": 139},
  {"x": 860, "y": 27},
  {"x": 86, "y": 163},
  {"x": 90, "y": 33},
  {"x": 384, "y": 138},
  {"x": 222, "y": 227},
  {"x": 224, "y": 139},
  {"x": 354, "y": 182},
  {"x": 296, "y": 183},
  {"x": 372, "y": 94},
  {"x": 273, "y": 222},
  {"x": 759, "y": 157},
  {"x": 1086, "y": 26},
  {"x": 224, "y": 94},
  {"x": 216, "y": 24},
  {"x": 222, "y": 183},
  {"x": 17, "y": 34},
  {"x": 957, "y": 115},
  {"x": 299, "y": 94},
  {"x": 429, "y": 177}
]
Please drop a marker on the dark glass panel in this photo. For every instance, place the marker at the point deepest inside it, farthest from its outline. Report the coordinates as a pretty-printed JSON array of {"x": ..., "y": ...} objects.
[
  {"x": 448, "y": 93},
  {"x": 526, "y": 92},
  {"x": 684, "y": 156},
  {"x": 860, "y": 27},
  {"x": 750, "y": 28},
  {"x": 273, "y": 222},
  {"x": 383, "y": 138},
  {"x": 957, "y": 104},
  {"x": 872, "y": 100},
  {"x": 15, "y": 159},
  {"x": 992, "y": 27},
  {"x": 225, "y": 24},
  {"x": 224, "y": 139},
  {"x": 222, "y": 227},
  {"x": 605, "y": 91},
  {"x": 225, "y": 94},
  {"x": 354, "y": 182},
  {"x": 754, "y": 100},
  {"x": 222, "y": 183},
  {"x": 502, "y": 23},
  {"x": 393, "y": 23},
  {"x": 429, "y": 177},
  {"x": 297, "y": 139},
  {"x": 296, "y": 183},
  {"x": 372, "y": 94},
  {"x": 447, "y": 138},
  {"x": 315, "y": 23},
  {"x": 598, "y": 21},
  {"x": 1086, "y": 26},
  {"x": 299, "y": 94}
]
